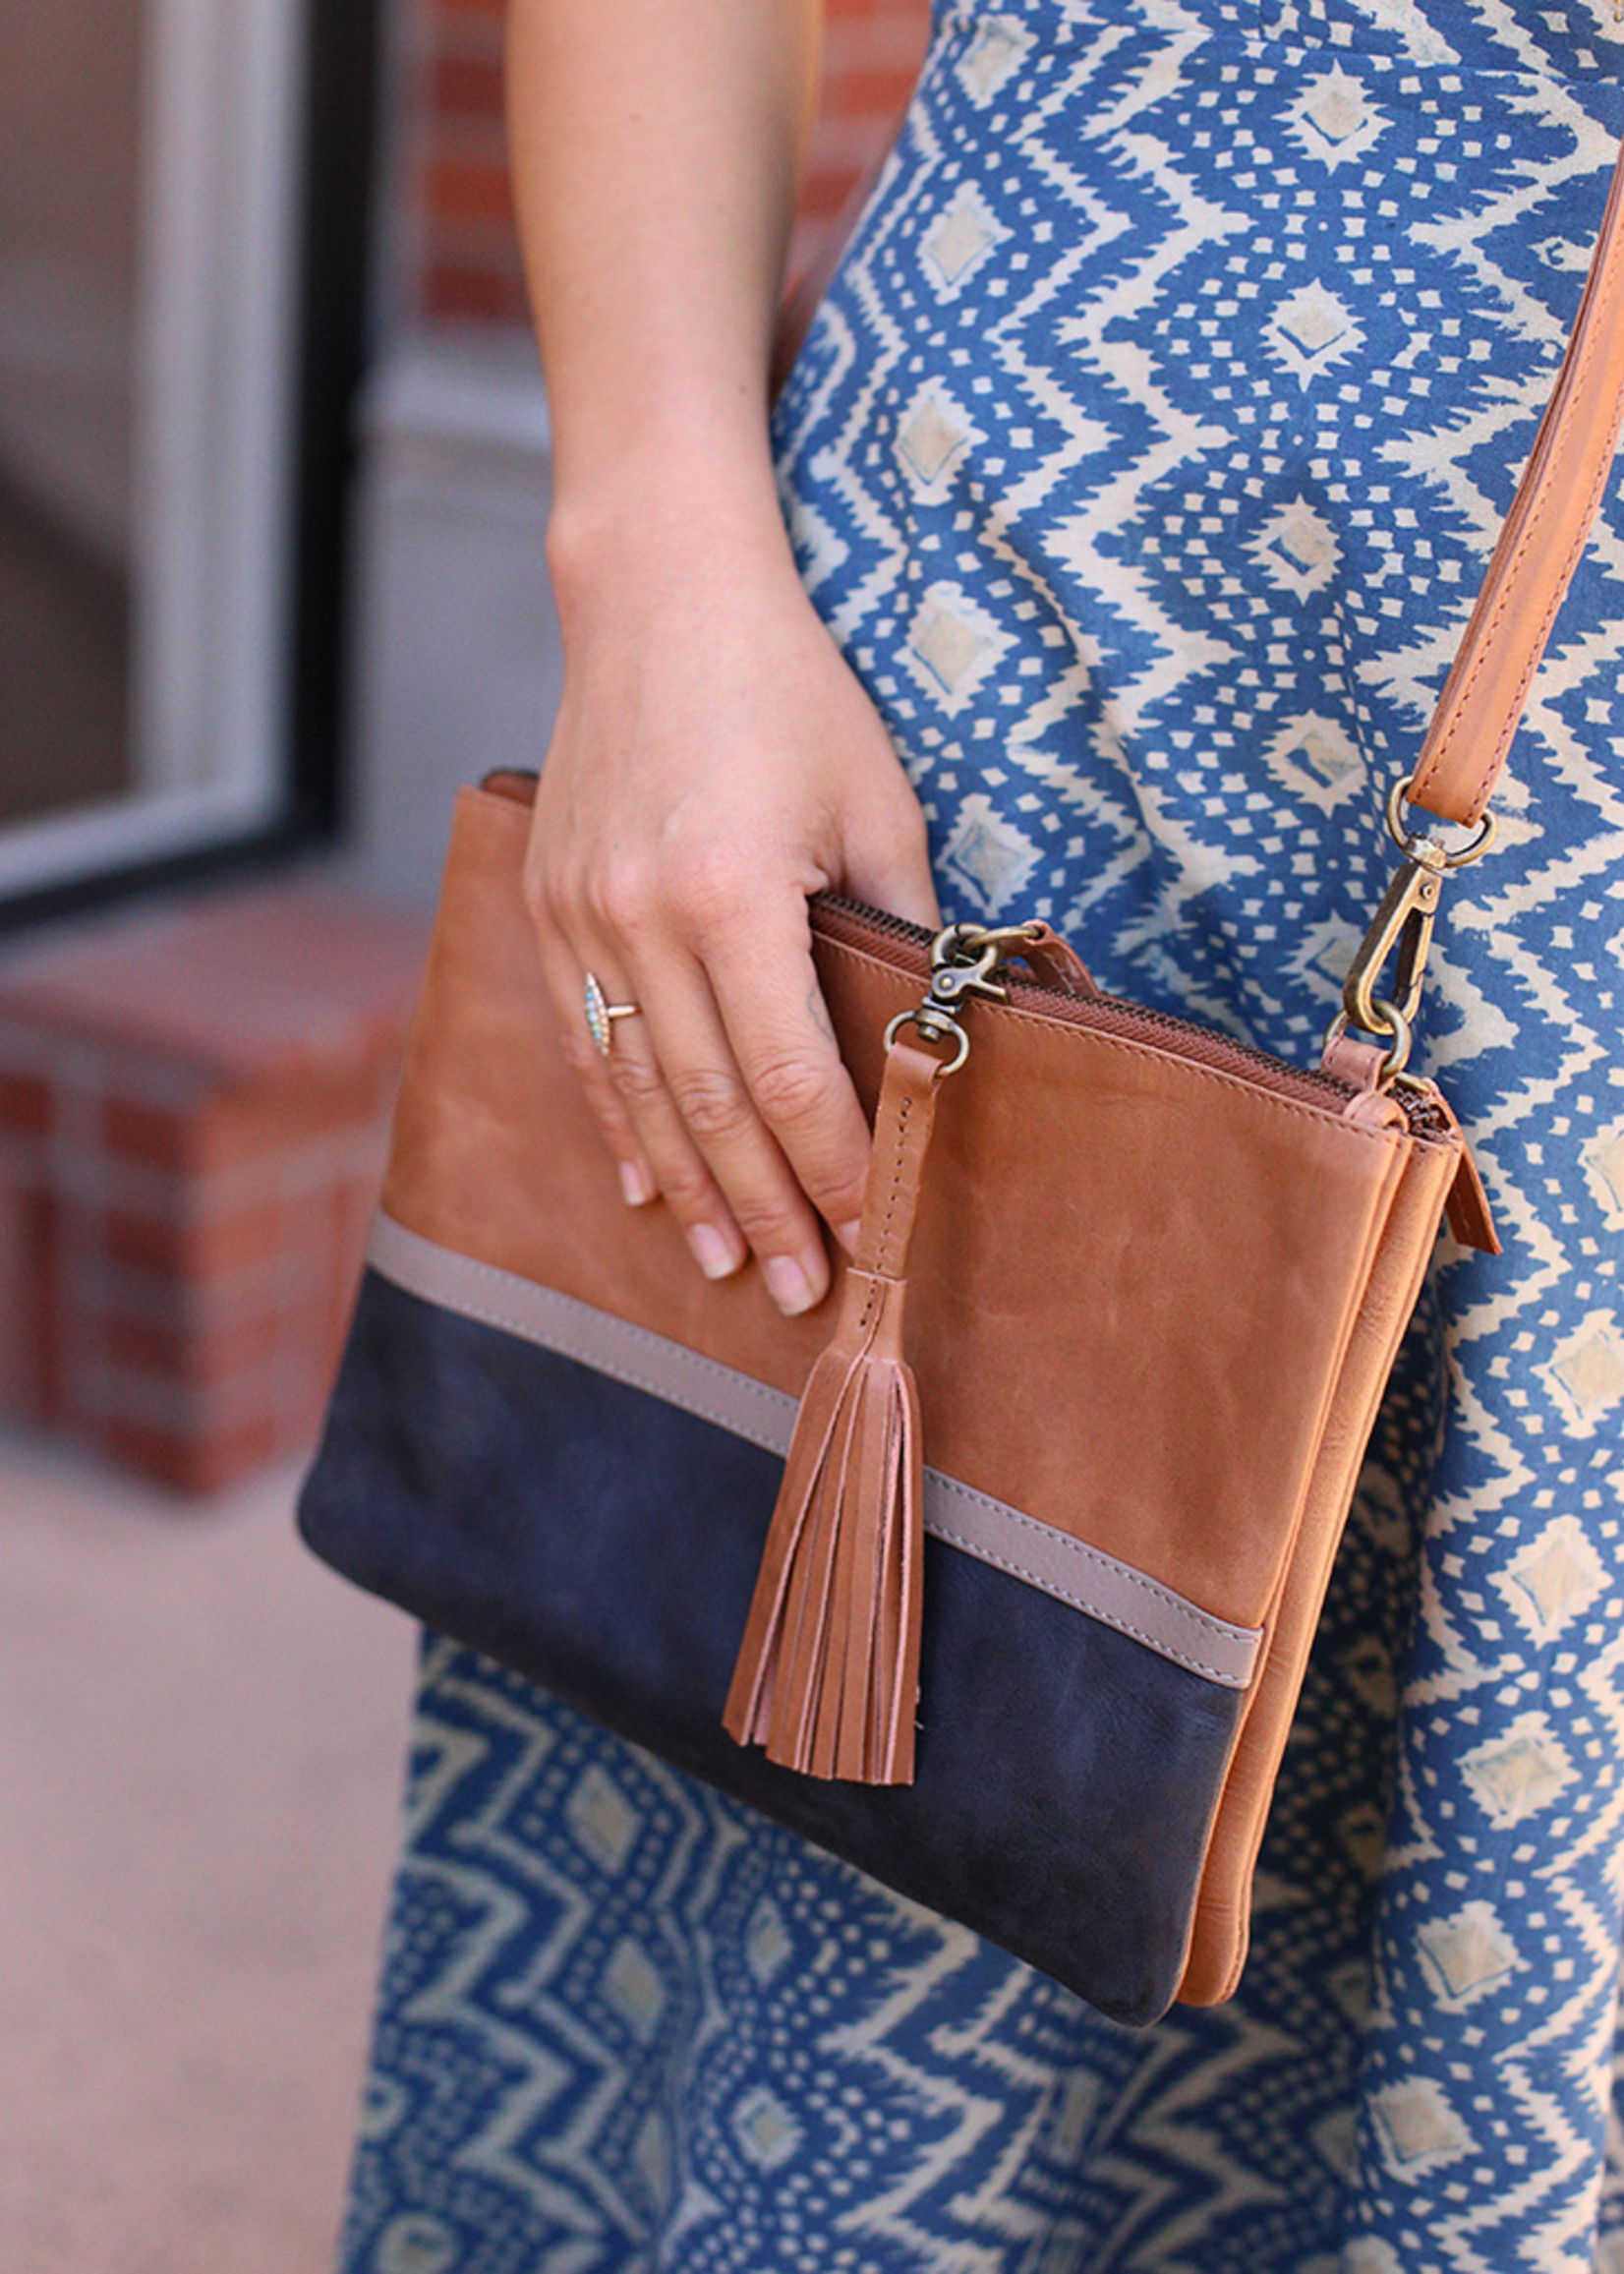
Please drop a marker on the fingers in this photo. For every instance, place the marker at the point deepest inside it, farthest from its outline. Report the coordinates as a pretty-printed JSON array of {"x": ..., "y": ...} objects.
[
  {"x": 634, "y": 1109},
  {"x": 565, "y": 980},
  {"x": 727, "y": 1094},
  {"x": 781, "y": 1040},
  {"x": 765, "y": 1104},
  {"x": 742, "y": 1117}
]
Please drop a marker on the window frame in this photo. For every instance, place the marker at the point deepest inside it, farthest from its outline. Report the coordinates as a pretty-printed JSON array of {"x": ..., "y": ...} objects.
[{"x": 336, "y": 76}]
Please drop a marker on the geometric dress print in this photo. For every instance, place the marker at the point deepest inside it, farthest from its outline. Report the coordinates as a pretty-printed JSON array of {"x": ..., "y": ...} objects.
[{"x": 1144, "y": 459}]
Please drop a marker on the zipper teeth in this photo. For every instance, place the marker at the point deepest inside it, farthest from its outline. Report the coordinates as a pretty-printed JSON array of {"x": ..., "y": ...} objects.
[
  {"x": 1197, "y": 1043},
  {"x": 1209, "y": 1049}
]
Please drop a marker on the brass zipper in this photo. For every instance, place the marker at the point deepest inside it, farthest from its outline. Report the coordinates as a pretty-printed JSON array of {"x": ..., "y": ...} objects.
[
  {"x": 874, "y": 930},
  {"x": 852, "y": 923}
]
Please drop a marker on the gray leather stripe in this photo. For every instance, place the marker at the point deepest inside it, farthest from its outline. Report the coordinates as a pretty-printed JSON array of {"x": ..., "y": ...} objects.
[{"x": 1044, "y": 1558}]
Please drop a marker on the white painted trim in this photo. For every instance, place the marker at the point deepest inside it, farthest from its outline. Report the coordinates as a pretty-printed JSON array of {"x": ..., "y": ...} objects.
[
  {"x": 123, "y": 833},
  {"x": 458, "y": 664},
  {"x": 215, "y": 381},
  {"x": 460, "y": 386},
  {"x": 214, "y": 444}
]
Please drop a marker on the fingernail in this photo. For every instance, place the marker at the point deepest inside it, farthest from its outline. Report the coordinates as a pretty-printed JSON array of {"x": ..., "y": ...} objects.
[
  {"x": 636, "y": 1184},
  {"x": 713, "y": 1252},
  {"x": 847, "y": 1235},
  {"x": 790, "y": 1284}
]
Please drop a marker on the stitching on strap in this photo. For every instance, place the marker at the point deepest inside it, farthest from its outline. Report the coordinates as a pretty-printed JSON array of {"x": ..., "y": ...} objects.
[{"x": 1566, "y": 440}]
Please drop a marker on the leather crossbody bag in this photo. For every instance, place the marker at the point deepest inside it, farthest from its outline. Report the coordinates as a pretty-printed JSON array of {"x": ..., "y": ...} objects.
[{"x": 1008, "y": 1604}]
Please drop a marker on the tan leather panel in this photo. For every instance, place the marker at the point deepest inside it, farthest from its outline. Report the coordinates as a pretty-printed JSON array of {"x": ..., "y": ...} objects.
[
  {"x": 1218, "y": 1944},
  {"x": 1209, "y": 1239}
]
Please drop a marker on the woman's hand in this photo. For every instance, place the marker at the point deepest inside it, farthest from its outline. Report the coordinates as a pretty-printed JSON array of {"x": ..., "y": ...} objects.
[{"x": 715, "y": 762}]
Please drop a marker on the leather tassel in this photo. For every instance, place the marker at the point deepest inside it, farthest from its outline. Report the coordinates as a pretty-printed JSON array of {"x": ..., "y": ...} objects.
[{"x": 827, "y": 1674}]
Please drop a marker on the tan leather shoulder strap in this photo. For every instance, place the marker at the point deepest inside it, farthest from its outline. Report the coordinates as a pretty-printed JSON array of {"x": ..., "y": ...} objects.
[{"x": 1544, "y": 534}]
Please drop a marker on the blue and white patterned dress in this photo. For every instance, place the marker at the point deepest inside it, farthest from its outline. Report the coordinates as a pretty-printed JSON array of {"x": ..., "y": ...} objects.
[{"x": 1144, "y": 459}]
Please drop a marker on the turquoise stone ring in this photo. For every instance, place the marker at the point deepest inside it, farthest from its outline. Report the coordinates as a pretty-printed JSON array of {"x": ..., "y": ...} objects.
[{"x": 601, "y": 1014}]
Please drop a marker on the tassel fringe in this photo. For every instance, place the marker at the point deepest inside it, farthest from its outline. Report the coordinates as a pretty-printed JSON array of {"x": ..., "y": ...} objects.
[
  {"x": 827, "y": 1674},
  {"x": 827, "y": 1680}
]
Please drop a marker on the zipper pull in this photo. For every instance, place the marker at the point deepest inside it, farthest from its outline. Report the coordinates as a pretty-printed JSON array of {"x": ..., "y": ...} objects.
[{"x": 827, "y": 1678}]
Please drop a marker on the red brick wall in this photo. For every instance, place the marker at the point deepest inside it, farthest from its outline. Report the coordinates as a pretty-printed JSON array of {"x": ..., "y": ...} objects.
[
  {"x": 456, "y": 165},
  {"x": 466, "y": 265},
  {"x": 194, "y": 1108}
]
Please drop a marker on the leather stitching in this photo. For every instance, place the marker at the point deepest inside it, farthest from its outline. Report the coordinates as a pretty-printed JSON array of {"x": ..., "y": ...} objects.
[
  {"x": 1565, "y": 443},
  {"x": 882, "y": 1247},
  {"x": 511, "y": 1323}
]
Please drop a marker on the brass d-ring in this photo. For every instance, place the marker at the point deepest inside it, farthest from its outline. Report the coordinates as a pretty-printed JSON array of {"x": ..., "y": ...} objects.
[
  {"x": 1388, "y": 1020},
  {"x": 1452, "y": 856},
  {"x": 932, "y": 1029}
]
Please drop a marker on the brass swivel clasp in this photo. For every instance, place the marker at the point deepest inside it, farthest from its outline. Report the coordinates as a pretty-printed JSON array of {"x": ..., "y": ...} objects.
[
  {"x": 1401, "y": 932},
  {"x": 964, "y": 959}
]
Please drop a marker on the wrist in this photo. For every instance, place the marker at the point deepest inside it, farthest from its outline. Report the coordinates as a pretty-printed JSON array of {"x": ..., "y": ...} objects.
[{"x": 652, "y": 524}]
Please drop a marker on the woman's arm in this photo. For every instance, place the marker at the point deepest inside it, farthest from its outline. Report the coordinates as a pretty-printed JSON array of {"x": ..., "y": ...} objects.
[
  {"x": 715, "y": 761},
  {"x": 656, "y": 144}
]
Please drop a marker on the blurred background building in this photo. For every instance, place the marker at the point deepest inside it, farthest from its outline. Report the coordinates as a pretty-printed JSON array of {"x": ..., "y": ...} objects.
[
  {"x": 274, "y": 483},
  {"x": 274, "y": 480},
  {"x": 457, "y": 651}
]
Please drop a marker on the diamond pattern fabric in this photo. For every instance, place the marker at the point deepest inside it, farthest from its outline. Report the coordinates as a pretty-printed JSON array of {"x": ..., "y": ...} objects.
[{"x": 1144, "y": 459}]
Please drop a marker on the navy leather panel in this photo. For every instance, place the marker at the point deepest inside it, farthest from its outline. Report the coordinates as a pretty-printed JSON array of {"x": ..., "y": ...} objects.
[{"x": 606, "y": 1545}]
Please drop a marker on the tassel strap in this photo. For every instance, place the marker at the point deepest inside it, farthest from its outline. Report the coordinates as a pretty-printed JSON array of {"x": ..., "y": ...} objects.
[{"x": 827, "y": 1674}]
